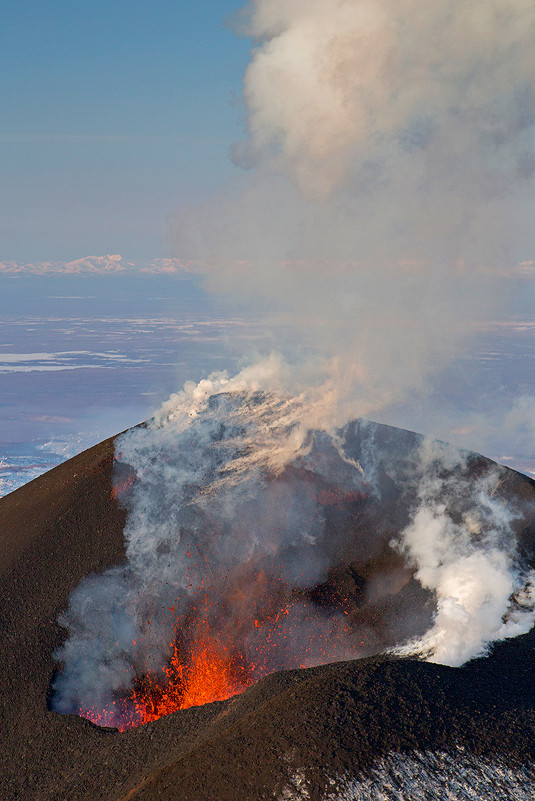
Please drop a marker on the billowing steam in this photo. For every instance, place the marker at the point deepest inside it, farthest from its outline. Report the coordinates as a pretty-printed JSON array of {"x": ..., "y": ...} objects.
[
  {"x": 415, "y": 118},
  {"x": 391, "y": 152},
  {"x": 399, "y": 91},
  {"x": 390, "y": 148},
  {"x": 464, "y": 549}
]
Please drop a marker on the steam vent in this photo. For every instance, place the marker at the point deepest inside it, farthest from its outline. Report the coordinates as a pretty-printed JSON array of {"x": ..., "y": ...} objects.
[{"x": 225, "y": 608}]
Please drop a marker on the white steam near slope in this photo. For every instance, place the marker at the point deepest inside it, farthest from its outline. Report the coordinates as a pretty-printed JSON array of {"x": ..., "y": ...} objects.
[{"x": 465, "y": 552}]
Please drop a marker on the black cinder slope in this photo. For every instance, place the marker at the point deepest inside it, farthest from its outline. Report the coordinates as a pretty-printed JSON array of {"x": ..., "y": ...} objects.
[{"x": 294, "y": 732}]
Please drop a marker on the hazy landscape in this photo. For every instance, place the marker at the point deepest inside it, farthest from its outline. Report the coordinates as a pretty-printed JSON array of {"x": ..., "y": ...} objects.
[
  {"x": 267, "y": 330},
  {"x": 105, "y": 354},
  {"x": 85, "y": 356}
]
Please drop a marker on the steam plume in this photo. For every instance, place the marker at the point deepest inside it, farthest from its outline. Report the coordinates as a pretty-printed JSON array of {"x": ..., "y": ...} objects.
[
  {"x": 389, "y": 148},
  {"x": 463, "y": 546},
  {"x": 391, "y": 152},
  {"x": 423, "y": 87}
]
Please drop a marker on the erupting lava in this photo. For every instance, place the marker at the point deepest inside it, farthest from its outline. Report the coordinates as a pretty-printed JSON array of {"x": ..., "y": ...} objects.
[
  {"x": 202, "y": 669},
  {"x": 211, "y": 673}
]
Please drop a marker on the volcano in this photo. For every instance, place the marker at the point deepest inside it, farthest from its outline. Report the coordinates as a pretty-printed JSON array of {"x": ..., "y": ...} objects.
[{"x": 354, "y": 717}]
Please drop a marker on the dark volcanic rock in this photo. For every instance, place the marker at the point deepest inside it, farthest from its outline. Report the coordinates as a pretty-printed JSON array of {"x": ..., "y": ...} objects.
[
  {"x": 337, "y": 719},
  {"x": 320, "y": 723}
]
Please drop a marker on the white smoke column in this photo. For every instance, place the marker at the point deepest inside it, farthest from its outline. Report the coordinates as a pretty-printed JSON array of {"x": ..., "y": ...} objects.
[
  {"x": 390, "y": 147},
  {"x": 463, "y": 548},
  {"x": 334, "y": 81}
]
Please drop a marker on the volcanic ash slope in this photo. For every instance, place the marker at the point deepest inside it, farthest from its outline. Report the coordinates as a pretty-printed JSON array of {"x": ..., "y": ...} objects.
[{"x": 366, "y": 728}]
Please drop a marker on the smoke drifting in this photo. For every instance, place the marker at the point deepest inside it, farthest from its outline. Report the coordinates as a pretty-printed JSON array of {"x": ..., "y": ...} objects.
[
  {"x": 432, "y": 86},
  {"x": 391, "y": 153},
  {"x": 389, "y": 146}
]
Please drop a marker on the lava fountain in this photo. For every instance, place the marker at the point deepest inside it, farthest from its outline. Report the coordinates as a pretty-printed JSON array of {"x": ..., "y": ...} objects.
[{"x": 268, "y": 612}]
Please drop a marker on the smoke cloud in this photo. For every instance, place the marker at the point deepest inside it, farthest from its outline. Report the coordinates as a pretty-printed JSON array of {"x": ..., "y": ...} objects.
[
  {"x": 422, "y": 87},
  {"x": 463, "y": 545},
  {"x": 389, "y": 148}
]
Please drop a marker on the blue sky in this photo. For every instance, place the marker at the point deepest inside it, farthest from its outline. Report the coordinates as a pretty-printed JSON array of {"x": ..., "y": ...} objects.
[{"x": 113, "y": 115}]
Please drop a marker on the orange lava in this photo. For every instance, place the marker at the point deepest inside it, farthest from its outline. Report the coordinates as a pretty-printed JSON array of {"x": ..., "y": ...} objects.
[
  {"x": 210, "y": 673},
  {"x": 122, "y": 486},
  {"x": 204, "y": 667}
]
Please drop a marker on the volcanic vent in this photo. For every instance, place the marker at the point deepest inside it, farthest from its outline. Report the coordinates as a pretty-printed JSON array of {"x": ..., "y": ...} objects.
[{"x": 256, "y": 544}]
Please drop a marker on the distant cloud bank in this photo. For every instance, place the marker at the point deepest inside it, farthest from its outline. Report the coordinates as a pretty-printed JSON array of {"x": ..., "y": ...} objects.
[{"x": 102, "y": 265}]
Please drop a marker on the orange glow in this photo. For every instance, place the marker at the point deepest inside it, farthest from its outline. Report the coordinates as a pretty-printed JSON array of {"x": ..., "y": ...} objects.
[
  {"x": 122, "y": 486},
  {"x": 202, "y": 669},
  {"x": 331, "y": 497},
  {"x": 210, "y": 673},
  {"x": 208, "y": 663}
]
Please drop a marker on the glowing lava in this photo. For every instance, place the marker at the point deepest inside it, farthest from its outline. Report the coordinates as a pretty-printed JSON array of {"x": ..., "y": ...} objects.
[
  {"x": 210, "y": 672},
  {"x": 202, "y": 669}
]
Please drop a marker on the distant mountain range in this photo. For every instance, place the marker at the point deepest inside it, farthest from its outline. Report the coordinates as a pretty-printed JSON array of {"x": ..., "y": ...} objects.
[{"x": 103, "y": 265}]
